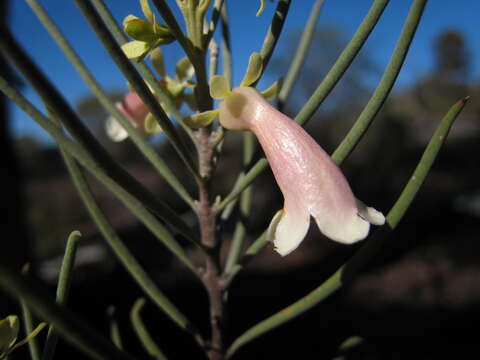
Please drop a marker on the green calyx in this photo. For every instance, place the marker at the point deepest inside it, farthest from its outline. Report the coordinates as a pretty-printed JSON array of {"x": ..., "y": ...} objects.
[
  {"x": 146, "y": 34},
  {"x": 197, "y": 121}
]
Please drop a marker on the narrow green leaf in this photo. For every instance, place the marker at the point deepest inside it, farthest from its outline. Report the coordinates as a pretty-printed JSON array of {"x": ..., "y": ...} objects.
[
  {"x": 273, "y": 33},
  {"x": 28, "y": 321},
  {"x": 262, "y": 7},
  {"x": 273, "y": 91},
  {"x": 245, "y": 182},
  {"x": 226, "y": 46},
  {"x": 110, "y": 21},
  {"x": 218, "y": 7},
  {"x": 142, "y": 333},
  {"x": 240, "y": 231},
  {"x": 257, "y": 246},
  {"x": 30, "y": 336},
  {"x": 63, "y": 289},
  {"x": 418, "y": 177},
  {"x": 114, "y": 327},
  {"x": 254, "y": 70}
]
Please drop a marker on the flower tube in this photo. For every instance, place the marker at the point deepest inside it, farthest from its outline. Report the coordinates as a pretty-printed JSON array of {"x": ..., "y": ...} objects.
[
  {"x": 133, "y": 108},
  {"x": 311, "y": 183}
]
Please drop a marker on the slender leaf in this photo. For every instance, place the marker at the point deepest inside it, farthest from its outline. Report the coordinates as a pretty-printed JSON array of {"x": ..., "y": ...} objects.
[
  {"x": 245, "y": 204},
  {"x": 63, "y": 289},
  {"x": 142, "y": 333},
  {"x": 226, "y": 46},
  {"x": 273, "y": 33},
  {"x": 28, "y": 321},
  {"x": 114, "y": 327}
]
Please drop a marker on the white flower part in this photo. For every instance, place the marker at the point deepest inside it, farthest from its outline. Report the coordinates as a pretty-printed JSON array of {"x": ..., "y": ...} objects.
[
  {"x": 114, "y": 130},
  {"x": 311, "y": 183},
  {"x": 134, "y": 110},
  {"x": 292, "y": 227}
]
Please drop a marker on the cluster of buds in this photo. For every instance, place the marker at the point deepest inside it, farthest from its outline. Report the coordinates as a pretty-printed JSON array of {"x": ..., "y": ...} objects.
[
  {"x": 147, "y": 34},
  {"x": 135, "y": 110}
]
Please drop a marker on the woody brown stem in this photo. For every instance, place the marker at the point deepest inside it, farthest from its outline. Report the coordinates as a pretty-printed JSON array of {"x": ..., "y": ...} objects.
[{"x": 207, "y": 216}]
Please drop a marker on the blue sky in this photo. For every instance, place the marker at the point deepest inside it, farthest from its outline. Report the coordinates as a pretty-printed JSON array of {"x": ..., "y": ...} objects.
[{"x": 247, "y": 33}]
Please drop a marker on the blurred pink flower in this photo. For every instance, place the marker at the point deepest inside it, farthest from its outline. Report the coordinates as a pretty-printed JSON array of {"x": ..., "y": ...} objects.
[
  {"x": 133, "y": 108},
  {"x": 311, "y": 183}
]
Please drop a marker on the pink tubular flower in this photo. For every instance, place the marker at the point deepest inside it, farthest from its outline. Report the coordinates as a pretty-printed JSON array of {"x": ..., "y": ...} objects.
[
  {"x": 133, "y": 108},
  {"x": 311, "y": 183}
]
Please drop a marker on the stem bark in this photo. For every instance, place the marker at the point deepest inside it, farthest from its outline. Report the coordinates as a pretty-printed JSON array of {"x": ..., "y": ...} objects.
[{"x": 207, "y": 216}]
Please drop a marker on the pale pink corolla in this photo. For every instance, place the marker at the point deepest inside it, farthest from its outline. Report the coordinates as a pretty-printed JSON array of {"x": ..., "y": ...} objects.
[
  {"x": 134, "y": 109},
  {"x": 311, "y": 183}
]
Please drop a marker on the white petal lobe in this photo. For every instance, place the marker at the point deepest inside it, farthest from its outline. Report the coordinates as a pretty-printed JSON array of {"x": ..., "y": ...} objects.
[
  {"x": 114, "y": 130},
  {"x": 291, "y": 229},
  {"x": 370, "y": 214}
]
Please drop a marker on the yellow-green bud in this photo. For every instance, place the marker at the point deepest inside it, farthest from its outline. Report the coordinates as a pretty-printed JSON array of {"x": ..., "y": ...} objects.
[{"x": 140, "y": 29}]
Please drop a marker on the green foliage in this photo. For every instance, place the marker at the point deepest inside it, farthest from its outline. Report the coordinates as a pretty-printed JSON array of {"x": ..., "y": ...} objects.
[{"x": 198, "y": 140}]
